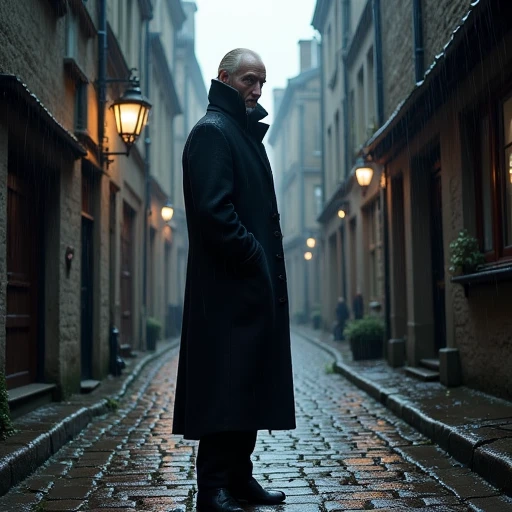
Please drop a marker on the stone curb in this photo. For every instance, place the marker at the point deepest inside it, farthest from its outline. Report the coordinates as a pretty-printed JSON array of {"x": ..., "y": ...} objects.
[
  {"x": 491, "y": 463},
  {"x": 17, "y": 461}
]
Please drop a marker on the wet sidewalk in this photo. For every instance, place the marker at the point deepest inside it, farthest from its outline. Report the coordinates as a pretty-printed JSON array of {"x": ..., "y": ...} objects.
[
  {"x": 41, "y": 433},
  {"x": 473, "y": 427}
]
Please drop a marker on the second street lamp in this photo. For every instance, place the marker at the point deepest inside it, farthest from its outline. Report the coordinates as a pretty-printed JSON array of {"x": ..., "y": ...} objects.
[{"x": 167, "y": 211}]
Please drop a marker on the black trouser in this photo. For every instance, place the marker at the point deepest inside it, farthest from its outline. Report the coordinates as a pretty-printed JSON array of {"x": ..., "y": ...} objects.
[{"x": 224, "y": 459}]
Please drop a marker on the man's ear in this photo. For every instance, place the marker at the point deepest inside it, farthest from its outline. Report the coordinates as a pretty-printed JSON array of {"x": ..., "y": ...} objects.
[{"x": 224, "y": 76}]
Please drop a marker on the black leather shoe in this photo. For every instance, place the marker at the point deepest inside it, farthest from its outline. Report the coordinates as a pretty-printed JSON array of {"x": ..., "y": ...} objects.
[
  {"x": 252, "y": 492},
  {"x": 217, "y": 500}
]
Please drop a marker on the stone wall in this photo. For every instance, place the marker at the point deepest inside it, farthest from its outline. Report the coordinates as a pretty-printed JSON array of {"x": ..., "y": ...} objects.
[{"x": 397, "y": 52}]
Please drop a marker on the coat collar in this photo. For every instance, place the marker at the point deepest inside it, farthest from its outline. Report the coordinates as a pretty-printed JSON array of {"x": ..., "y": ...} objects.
[{"x": 225, "y": 98}]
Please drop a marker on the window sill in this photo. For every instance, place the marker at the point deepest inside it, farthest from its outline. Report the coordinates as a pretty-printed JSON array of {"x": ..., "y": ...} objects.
[
  {"x": 74, "y": 70},
  {"x": 483, "y": 277}
]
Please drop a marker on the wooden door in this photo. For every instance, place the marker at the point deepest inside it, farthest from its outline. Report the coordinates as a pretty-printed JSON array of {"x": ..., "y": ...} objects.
[
  {"x": 127, "y": 266},
  {"x": 22, "y": 289}
]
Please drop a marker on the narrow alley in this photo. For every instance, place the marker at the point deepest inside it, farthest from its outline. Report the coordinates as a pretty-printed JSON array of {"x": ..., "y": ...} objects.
[{"x": 347, "y": 453}]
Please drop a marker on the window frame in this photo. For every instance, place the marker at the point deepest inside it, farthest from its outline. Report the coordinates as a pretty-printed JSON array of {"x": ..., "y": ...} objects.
[{"x": 492, "y": 108}]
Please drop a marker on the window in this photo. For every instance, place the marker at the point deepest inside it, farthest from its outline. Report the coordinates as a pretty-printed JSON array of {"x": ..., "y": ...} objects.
[
  {"x": 490, "y": 145},
  {"x": 81, "y": 107},
  {"x": 506, "y": 178},
  {"x": 318, "y": 200},
  {"x": 72, "y": 32}
]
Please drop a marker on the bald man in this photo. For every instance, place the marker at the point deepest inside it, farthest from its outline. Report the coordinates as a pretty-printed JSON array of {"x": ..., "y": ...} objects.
[{"x": 235, "y": 370}]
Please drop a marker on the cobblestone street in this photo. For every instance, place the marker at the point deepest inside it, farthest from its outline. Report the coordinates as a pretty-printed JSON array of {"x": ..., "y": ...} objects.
[{"x": 347, "y": 453}]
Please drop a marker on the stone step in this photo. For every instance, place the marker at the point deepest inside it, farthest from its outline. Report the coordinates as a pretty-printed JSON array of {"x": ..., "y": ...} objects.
[
  {"x": 88, "y": 385},
  {"x": 422, "y": 373},
  {"x": 431, "y": 364}
]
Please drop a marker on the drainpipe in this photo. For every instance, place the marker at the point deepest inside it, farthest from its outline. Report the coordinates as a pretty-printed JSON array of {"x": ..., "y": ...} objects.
[
  {"x": 345, "y": 28},
  {"x": 301, "y": 167},
  {"x": 377, "y": 52},
  {"x": 147, "y": 184},
  {"x": 322, "y": 117},
  {"x": 384, "y": 192},
  {"x": 417, "y": 16},
  {"x": 102, "y": 75}
]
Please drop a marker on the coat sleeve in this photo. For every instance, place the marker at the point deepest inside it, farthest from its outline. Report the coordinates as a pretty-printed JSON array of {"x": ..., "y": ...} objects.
[{"x": 209, "y": 171}]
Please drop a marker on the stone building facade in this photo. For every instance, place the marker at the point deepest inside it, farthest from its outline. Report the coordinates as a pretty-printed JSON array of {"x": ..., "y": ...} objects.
[
  {"x": 439, "y": 151},
  {"x": 447, "y": 169},
  {"x": 295, "y": 139},
  {"x": 351, "y": 218},
  {"x": 73, "y": 260}
]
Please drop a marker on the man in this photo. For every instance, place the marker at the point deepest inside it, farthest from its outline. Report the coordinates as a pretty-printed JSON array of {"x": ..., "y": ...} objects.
[
  {"x": 342, "y": 315},
  {"x": 235, "y": 372}
]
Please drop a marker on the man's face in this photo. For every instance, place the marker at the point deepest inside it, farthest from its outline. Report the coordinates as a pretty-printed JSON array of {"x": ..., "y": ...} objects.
[{"x": 248, "y": 80}]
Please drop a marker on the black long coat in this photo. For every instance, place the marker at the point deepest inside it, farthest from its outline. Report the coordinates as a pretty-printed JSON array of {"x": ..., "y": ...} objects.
[{"x": 235, "y": 370}]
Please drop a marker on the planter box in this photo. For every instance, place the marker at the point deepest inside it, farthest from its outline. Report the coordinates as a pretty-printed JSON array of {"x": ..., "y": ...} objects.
[{"x": 368, "y": 349}]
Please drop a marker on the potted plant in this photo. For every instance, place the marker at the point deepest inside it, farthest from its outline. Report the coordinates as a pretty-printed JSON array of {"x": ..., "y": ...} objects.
[
  {"x": 366, "y": 337},
  {"x": 316, "y": 318},
  {"x": 153, "y": 330},
  {"x": 465, "y": 255}
]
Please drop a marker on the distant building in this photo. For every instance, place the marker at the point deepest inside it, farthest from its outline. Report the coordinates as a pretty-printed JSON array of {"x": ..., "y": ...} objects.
[{"x": 296, "y": 142}]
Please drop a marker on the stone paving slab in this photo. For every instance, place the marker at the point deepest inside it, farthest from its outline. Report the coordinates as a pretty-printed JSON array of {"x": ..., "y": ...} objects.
[
  {"x": 473, "y": 427},
  {"x": 349, "y": 452},
  {"x": 41, "y": 433}
]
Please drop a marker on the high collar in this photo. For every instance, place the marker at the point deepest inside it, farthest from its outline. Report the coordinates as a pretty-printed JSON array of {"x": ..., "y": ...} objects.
[{"x": 227, "y": 99}]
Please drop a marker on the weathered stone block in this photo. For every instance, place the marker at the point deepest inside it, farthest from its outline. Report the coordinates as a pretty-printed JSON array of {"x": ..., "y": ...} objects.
[
  {"x": 449, "y": 367},
  {"x": 396, "y": 352}
]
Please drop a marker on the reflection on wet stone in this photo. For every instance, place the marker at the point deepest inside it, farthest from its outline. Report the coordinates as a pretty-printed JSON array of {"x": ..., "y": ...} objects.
[{"x": 347, "y": 453}]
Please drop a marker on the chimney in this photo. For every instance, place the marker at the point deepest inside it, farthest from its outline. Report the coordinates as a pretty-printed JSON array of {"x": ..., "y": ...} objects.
[
  {"x": 308, "y": 54},
  {"x": 188, "y": 29}
]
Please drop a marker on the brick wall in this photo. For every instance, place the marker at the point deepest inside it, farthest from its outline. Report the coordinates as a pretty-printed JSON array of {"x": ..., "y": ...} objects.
[
  {"x": 397, "y": 52},
  {"x": 440, "y": 18}
]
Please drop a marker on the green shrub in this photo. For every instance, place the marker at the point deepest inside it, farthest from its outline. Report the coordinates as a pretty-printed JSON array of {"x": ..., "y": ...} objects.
[
  {"x": 465, "y": 255},
  {"x": 153, "y": 330},
  {"x": 366, "y": 337}
]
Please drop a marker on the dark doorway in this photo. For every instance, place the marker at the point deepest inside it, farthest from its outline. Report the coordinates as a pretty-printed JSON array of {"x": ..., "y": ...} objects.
[
  {"x": 87, "y": 273},
  {"x": 127, "y": 265},
  {"x": 25, "y": 258},
  {"x": 87, "y": 298},
  {"x": 436, "y": 237}
]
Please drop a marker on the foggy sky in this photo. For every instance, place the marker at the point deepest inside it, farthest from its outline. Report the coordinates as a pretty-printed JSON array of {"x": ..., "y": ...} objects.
[{"x": 270, "y": 27}]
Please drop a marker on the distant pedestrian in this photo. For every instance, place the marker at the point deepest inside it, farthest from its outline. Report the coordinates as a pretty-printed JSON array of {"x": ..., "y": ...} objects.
[
  {"x": 358, "y": 306},
  {"x": 235, "y": 370},
  {"x": 342, "y": 315}
]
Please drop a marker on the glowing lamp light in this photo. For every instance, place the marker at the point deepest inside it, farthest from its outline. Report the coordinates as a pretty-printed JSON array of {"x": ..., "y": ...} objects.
[
  {"x": 167, "y": 211},
  {"x": 341, "y": 213},
  {"x": 364, "y": 173},
  {"x": 311, "y": 242},
  {"x": 510, "y": 167},
  {"x": 131, "y": 112},
  {"x": 308, "y": 256}
]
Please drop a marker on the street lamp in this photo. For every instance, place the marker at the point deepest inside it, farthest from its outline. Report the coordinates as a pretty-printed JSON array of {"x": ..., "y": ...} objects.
[
  {"x": 311, "y": 242},
  {"x": 364, "y": 173},
  {"x": 342, "y": 213},
  {"x": 131, "y": 112},
  {"x": 308, "y": 256},
  {"x": 167, "y": 211}
]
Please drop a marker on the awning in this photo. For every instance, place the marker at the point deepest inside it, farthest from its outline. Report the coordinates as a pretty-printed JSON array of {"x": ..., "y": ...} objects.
[{"x": 14, "y": 91}]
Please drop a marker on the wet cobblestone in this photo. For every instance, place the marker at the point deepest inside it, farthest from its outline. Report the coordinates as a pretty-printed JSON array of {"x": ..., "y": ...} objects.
[{"x": 347, "y": 453}]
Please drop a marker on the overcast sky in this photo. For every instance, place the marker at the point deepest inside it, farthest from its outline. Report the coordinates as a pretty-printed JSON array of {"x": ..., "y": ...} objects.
[{"x": 270, "y": 27}]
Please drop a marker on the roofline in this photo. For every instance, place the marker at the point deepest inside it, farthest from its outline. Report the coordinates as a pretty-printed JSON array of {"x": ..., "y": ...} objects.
[{"x": 293, "y": 84}]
